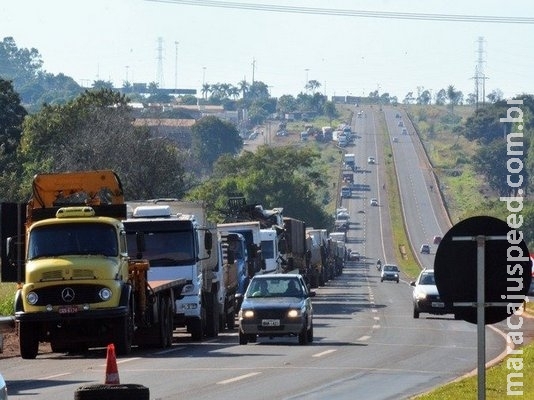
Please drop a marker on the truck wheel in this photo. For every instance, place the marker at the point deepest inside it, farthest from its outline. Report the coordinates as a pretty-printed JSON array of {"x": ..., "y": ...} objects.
[
  {"x": 112, "y": 392},
  {"x": 28, "y": 341},
  {"x": 124, "y": 335},
  {"x": 165, "y": 322},
  {"x": 212, "y": 316},
  {"x": 195, "y": 327},
  {"x": 243, "y": 339},
  {"x": 230, "y": 320}
]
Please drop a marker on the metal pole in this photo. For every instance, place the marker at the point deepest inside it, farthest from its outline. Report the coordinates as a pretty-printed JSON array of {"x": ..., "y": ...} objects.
[{"x": 481, "y": 318}]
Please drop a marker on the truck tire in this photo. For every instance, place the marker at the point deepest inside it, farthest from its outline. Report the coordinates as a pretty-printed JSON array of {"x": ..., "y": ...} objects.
[
  {"x": 28, "y": 340},
  {"x": 212, "y": 315},
  {"x": 196, "y": 329},
  {"x": 112, "y": 392},
  {"x": 243, "y": 339},
  {"x": 124, "y": 334},
  {"x": 166, "y": 327},
  {"x": 230, "y": 320}
]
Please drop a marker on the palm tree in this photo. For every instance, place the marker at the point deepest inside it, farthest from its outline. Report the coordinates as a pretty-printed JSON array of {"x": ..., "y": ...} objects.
[
  {"x": 243, "y": 87},
  {"x": 206, "y": 88}
]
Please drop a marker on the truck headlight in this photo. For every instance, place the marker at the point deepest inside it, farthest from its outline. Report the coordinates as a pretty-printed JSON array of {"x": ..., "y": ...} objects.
[
  {"x": 32, "y": 298},
  {"x": 105, "y": 294}
]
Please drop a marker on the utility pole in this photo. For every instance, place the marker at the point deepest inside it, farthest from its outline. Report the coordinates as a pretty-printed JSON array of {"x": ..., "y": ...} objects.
[
  {"x": 480, "y": 76},
  {"x": 253, "y": 68},
  {"x": 176, "y": 65},
  {"x": 159, "y": 78}
]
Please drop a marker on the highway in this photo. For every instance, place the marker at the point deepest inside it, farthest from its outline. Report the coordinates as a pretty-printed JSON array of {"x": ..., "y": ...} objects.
[{"x": 367, "y": 344}]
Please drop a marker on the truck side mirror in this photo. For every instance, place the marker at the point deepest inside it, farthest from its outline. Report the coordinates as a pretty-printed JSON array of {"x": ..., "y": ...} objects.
[{"x": 208, "y": 241}]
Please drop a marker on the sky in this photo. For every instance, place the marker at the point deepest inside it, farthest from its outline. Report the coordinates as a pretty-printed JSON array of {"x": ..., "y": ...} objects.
[{"x": 180, "y": 44}]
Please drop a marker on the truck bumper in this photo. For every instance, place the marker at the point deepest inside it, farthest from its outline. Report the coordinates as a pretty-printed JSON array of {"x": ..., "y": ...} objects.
[{"x": 54, "y": 316}]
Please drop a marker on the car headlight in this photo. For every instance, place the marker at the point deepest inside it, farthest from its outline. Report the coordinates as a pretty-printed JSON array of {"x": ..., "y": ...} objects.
[
  {"x": 294, "y": 313},
  {"x": 247, "y": 313},
  {"x": 420, "y": 295},
  {"x": 188, "y": 289}
]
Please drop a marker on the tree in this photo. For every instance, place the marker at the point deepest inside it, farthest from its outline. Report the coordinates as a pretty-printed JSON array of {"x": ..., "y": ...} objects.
[
  {"x": 286, "y": 104},
  {"x": 95, "y": 131},
  {"x": 441, "y": 96},
  {"x": 312, "y": 85},
  {"x": 272, "y": 177},
  {"x": 424, "y": 98},
  {"x": 454, "y": 97},
  {"x": 495, "y": 96},
  {"x": 211, "y": 138},
  {"x": 330, "y": 111},
  {"x": 408, "y": 99},
  {"x": 12, "y": 115}
]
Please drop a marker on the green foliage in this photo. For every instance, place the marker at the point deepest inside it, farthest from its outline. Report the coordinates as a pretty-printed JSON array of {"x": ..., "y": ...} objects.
[
  {"x": 273, "y": 177},
  {"x": 213, "y": 137}
]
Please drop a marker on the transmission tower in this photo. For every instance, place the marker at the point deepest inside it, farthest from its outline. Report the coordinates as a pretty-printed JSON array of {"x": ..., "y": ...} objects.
[
  {"x": 159, "y": 78},
  {"x": 480, "y": 76}
]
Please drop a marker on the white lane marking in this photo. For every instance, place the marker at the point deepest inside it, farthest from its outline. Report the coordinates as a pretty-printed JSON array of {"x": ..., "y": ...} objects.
[
  {"x": 363, "y": 338},
  {"x": 238, "y": 378},
  {"x": 376, "y": 326},
  {"x": 323, "y": 353},
  {"x": 54, "y": 376},
  {"x": 376, "y": 318},
  {"x": 124, "y": 361},
  {"x": 171, "y": 350}
]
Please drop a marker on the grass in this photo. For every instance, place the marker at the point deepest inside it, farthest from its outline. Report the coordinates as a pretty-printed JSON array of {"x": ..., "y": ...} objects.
[
  {"x": 496, "y": 381},
  {"x": 7, "y": 297}
]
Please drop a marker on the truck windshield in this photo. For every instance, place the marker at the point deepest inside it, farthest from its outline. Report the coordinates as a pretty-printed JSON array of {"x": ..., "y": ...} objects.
[
  {"x": 72, "y": 239},
  {"x": 164, "y": 248}
]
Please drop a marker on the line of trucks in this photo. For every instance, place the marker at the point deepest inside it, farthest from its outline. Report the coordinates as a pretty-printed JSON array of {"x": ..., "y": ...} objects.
[{"x": 93, "y": 268}]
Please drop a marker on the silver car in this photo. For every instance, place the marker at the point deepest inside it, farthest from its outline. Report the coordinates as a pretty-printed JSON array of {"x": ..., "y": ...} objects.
[
  {"x": 276, "y": 305},
  {"x": 390, "y": 272}
]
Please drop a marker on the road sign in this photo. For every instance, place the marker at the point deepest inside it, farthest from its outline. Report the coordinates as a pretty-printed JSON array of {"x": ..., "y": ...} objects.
[{"x": 507, "y": 268}]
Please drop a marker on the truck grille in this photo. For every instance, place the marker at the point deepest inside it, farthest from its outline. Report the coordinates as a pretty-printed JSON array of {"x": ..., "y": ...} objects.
[{"x": 68, "y": 294}]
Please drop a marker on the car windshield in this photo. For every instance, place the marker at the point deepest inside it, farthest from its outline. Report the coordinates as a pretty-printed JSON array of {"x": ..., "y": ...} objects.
[
  {"x": 391, "y": 268},
  {"x": 275, "y": 287},
  {"x": 427, "y": 279}
]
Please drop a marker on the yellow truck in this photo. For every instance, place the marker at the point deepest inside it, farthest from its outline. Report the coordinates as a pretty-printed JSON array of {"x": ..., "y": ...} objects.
[{"x": 78, "y": 288}]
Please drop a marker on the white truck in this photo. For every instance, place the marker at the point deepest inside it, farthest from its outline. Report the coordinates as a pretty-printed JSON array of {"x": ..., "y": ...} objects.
[
  {"x": 349, "y": 161},
  {"x": 179, "y": 242}
]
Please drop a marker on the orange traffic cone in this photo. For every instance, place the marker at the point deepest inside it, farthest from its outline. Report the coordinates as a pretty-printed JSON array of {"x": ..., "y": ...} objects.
[{"x": 112, "y": 373}]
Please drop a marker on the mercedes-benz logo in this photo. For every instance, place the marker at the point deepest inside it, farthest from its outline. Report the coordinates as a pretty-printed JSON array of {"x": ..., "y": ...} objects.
[{"x": 67, "y": 295}]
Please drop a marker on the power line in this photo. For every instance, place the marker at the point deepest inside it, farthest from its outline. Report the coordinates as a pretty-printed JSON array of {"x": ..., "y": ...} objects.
[{"x": 352, "y": 13}]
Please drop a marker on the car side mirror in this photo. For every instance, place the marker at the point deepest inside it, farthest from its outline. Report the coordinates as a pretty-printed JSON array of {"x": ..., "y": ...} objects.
[
  {"x": 412, "y": 283},
  {"x": 311, "y": 293}
]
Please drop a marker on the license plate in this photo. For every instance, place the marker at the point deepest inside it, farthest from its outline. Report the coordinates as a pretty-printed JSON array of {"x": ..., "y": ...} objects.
[
  {"x": 437, "y": 304},
  {"x": 270, "y": 322},
  {"x": 68, "y": 309}
]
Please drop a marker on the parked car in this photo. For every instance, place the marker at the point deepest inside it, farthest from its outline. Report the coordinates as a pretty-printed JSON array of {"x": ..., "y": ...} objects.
[
  {"x": 3, "y": 388},
  {"x": 276, "y": 305},
  {"x": 373, "y": 202},
  {"x": 425, "y": 248},
  {"x": 390, "y": 272},
  {"x": 426, "y": 298}
]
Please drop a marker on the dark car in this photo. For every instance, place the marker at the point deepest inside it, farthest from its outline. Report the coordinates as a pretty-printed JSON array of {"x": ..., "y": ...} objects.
[
  {"x": 425, "y": 249},
  {"x": 426, "y": 298},
  {"x": 390, "y": 272},
  {"x": 276, "y": 305}
]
